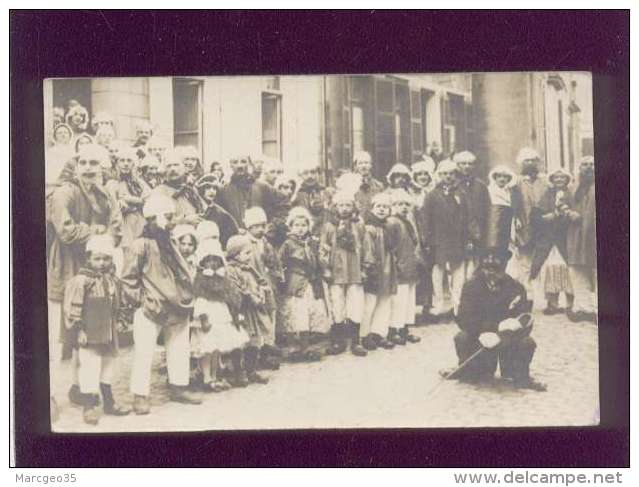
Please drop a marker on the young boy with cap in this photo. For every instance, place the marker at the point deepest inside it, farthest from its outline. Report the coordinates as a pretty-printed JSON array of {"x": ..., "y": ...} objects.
[{"x": 91, "y": 305}]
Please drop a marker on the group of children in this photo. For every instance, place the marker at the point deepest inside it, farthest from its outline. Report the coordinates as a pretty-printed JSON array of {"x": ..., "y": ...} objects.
[{"x": 343, "y": 268}]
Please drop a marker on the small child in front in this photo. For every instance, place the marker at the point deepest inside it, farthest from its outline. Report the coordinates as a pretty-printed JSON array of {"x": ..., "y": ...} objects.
[
  {"x": 344, "y": 256},
  {"x": 91, "y": 304}
]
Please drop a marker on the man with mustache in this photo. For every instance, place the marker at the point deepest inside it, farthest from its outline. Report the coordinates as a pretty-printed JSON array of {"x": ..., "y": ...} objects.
[
  {"x": 582, "y": 245},
  {"x": 188, "y": 203},
  {"x": 490, "y": 304},
  {"x": 363, "y": 165},
  {"x": 79, "y": 209},
  {"x": 243, "y": 192}
]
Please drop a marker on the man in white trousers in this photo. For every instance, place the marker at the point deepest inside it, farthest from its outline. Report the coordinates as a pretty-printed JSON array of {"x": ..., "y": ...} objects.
[{"x": 156, "y": 278}]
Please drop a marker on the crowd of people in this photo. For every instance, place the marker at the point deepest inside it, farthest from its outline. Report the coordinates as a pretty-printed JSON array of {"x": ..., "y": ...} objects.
[{"x": 229, "y": 266}]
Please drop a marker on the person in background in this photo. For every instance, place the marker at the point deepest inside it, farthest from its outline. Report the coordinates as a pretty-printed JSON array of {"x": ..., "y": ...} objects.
[
  {"x": 272, "y": 169},
  {"x": 58, "y": 116},
  {"x": 478, "y": 206},
  {"x": 443, "y": 223},
  {"x": 434, "y": 151},
  {"x": 243, "y": 191},
  {"x": 399, "y": 177},
  {"x": 217, "y": 170},
  {"x": 158, "y": 281},
  {"x": 500, "y": 220},
  {"x": 91, "y": 307},
  {"x": 526, "y": 194},
  {"x": 185, "y": 238},
  {"x": 345, "y": 256},
  {"x": 77, "y": 118},
  {"x": 130, "y": 192},
  {"x": 253, "y": 314},
  {"x": 105, "y": 136},
  {"x": 490, "y": 317},
  {"x": 313, "y": 196},
  {"x": 380, "y": 284},
  {"x": 422, "y": 180},
  {"x": 582, "y": 245},
  {"x": 265, "y": 261},
  {"x": 551, "y": 218},
  {"x": 192, "y": 165},
  {"x": 102, "y": 119},
  {"x": 189, "y": 205},
  {"x": 302, "y": 308},
  {"x": 158, "y": 147},
  {"x": 215, "y": 333},
  {"x": 59, "y": 156},
  {"x": 149, "y": 169},
  {"x": 405, "y": 244},
  {"x": 208, "y": 187},
  {"x": 257, "y": 166},
  {"x": 143, "y": 132},
  {"x": 362, "y": 165}
]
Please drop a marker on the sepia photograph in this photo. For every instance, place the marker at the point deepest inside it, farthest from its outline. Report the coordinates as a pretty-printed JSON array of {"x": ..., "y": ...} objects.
[{"x": 338, "y": 251}]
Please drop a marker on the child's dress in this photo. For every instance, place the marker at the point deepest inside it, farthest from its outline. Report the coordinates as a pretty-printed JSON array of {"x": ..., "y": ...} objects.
[{"x": 303, "y": 309}]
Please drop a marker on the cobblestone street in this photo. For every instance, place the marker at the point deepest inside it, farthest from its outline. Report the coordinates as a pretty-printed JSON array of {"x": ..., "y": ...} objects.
[{"x": 385, "y": 389}]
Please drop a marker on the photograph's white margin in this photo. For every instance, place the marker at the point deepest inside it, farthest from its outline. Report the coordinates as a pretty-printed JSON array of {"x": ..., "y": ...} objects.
[{"x": 438, "y": 477}]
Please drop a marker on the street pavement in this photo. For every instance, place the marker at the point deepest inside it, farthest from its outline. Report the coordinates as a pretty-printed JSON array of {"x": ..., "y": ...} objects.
[{"x": 387, "y": 389}]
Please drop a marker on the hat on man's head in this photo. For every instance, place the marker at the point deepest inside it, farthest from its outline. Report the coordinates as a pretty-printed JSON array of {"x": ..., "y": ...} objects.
[
  {"x": 525, "y": 154},
  {"x": 236, "y": 244},
  {"x": 464, "y": 156},
  {"x": 101, "y": 244},
  {"x": 500, "y": 252},
  {"x": 254, "y": 216},
  {"x": 158, "y": 204}
]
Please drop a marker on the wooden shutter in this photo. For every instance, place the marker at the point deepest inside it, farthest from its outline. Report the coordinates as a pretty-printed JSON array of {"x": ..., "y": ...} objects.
[{"x": 384, "y": 141}]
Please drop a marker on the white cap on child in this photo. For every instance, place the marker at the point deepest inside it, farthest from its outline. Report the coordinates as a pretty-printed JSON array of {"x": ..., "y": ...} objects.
[
  {"x": 101, "y": 244},
  {"x": 254, "y": 216}
]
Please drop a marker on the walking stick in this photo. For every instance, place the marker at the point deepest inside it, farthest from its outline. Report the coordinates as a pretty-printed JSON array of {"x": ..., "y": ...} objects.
[{"x": 527, "y": 320}]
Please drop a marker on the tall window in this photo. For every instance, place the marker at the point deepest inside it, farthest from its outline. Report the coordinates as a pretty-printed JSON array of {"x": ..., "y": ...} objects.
[
  {"x": 272, "y": 125},
  {"x": 187, "y": 112}
]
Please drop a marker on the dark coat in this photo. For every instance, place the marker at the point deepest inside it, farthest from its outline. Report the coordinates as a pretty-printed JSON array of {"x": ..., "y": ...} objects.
[
  {"x": 481, "y": 309},
  {"x": 477, "y": 200},
  {"x": 301, "y": 267},
  {"x": 236, "y": 197},
  {"x": 443, "y": 226},
  {"x": 381, "y": 278},
  {"x": 404, "y": 243},
  {"x": 316, "y": 199},
  {"x": 548, "y": 230},
  {"x": 224, "y": 221},
  {"x": 72, "y": 214},
  {"x": 364, "y": 196},
  {"x": 581, "y": 240},
  {"x": 91, "y": 303},
  {"x": 525, "y": 196}
]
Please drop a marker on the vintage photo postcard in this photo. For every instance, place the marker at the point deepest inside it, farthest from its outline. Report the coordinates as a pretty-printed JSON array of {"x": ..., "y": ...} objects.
[{"x": 300, "y": 252}]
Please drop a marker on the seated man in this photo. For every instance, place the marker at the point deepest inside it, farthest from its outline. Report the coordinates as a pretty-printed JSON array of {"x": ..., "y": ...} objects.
[{"x": 493, "y": 315}]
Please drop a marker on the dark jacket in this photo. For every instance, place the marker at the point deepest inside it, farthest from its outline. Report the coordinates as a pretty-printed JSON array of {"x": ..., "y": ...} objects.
[
  {"x": 482, "y": 309},
  {"x": 443, "y": 226},
  {"x": 581, "y": 240},
  {"x": 316, "y": 199},
  {"x": 381, "y": 277},
  {"x": 526, "y": 195},
  {"x": 237, "y": 196},
  {"x": 478, "y": 203},
  {"x": 91, "y": 303},
  {"x": 364, "y": 196},
  {"x": 301, "y": 266},
  {"x": 224, "y": 221},
  {"x": 405, "y": 247},
  {"x": 549, "y": 229}
]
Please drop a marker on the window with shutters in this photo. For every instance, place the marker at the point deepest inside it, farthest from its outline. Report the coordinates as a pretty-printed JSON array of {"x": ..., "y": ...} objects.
[
  {"x": 187, "y": 112},
  {"x": 272, "y": 125}
]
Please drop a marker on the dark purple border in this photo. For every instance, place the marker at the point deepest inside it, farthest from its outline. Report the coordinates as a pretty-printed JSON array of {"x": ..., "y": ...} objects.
[{"x": 129, "y": 43}]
